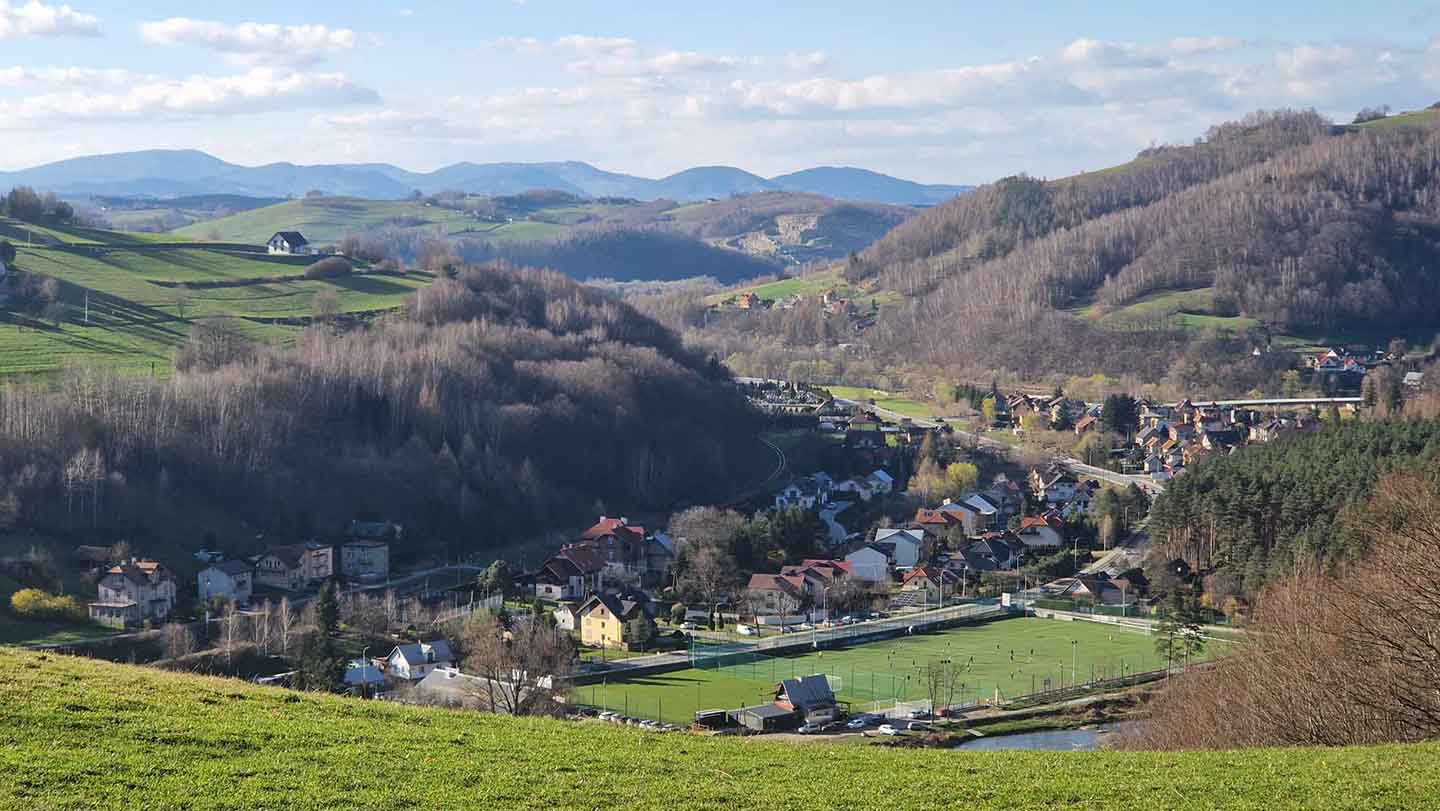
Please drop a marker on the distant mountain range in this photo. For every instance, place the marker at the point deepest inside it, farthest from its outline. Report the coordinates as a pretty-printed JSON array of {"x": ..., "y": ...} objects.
[{"x": 174, "y": 173}]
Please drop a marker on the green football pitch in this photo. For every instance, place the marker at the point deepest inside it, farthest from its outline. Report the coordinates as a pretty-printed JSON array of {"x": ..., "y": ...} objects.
[{"x": 1011, "y": 656}]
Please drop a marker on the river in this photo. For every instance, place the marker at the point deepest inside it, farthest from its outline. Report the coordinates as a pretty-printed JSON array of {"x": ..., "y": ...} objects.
[{"x": 1050, "y": 740}]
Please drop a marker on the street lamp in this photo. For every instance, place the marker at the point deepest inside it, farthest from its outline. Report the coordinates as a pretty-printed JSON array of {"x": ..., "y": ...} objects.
[
  {"x": 364, "y": 672},
  {"x": 1074, "y": 652}
]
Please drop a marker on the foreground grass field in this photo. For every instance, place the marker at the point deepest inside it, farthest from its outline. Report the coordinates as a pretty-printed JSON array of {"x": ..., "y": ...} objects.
[
  {"x": 79, "y": 734},
  {"x": 1013, "y": 656}
]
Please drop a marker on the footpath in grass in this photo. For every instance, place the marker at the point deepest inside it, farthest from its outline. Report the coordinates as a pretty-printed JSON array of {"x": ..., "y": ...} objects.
[
  {"x": 1013, "y": 656},
  {"x": 82, "y": 734}
]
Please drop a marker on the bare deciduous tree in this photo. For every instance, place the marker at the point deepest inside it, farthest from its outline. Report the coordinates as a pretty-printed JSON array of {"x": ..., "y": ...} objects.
[{"x": 522, "y": 672}]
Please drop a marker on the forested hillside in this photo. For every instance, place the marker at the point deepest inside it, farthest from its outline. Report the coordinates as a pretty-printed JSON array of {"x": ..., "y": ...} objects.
[
  {"x": 1175, "y": 266},
  {"x": 496, "y": 405},
  {"x": 625, "y": 255},
  {"x": 1255, "y": 514}
]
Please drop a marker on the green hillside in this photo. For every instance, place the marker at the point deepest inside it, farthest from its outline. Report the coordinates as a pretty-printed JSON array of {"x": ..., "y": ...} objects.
[
  {"x": 328, "y": 219},
  {"x": 76, "y": 733},
  {"x": 129, "y": 304}
]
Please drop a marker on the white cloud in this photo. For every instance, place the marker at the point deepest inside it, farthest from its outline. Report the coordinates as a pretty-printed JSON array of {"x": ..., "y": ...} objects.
[
  {"x": 36, "y": 19},
  {"x": 257, "y": 91},
  {"x": 806, "y": 61},
  {"x": 253, "y": 43},
  {"x": 87, "y": 77}
]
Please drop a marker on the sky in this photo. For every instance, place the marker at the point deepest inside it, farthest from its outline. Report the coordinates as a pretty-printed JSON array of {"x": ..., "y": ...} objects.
[{"x": 941, "y": 92}]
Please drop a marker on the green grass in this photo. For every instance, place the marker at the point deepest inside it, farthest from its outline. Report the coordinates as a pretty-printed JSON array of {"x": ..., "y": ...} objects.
[
  {"x": 34, "y": 632},
  {"x": 324, "y": 220},
  {"x": 135, "y": 302},
  {"x": 893, "y": 669},
  {"x": 82, "y": 734},
  {"x": 1412, "y": 118},
  {"x": 328, "y": 219},
  {"x": 884, "y": 399}
]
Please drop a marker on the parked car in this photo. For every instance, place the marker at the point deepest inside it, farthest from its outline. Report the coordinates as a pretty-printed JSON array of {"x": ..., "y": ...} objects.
[
  {"x": 920, "y": 726},
  {"x": 744, "y": 630},
  {"x": 809, "y": 729},
  {"x": 919, "y": 714},
  {"x": 689, "y": 626},
  {"x": 888, "y": 729},
  {"x": 833, "y": 726},
  {"x": 857, "y": 723}
]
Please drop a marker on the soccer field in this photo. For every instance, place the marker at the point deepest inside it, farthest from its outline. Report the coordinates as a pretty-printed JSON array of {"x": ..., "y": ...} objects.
[{"x": 1013, "y": 656}]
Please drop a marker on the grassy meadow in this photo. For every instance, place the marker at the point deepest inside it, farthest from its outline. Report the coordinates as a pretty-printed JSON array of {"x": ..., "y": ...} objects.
[
  {"x": 130, "y": 305},
  {"x": 328, "y": 219},
  {"x": 82, "y": 734}
]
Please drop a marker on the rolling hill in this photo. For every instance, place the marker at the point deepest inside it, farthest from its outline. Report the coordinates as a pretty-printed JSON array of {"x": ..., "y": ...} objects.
[
  {"x": 733, "y": 240},
  {"x": 128, "y": 301},
  {"x": 174, "y": 173},
  {"x": 1196, "y": 267},
  {"x": 138, "y": 737}
]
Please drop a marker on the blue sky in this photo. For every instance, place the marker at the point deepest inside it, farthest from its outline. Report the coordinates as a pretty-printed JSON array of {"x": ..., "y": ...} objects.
[{"x": 936, "y": 91}]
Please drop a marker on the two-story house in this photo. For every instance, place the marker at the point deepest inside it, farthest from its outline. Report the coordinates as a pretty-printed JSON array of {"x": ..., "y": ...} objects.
[
  {"x": 133, "y": 592},
  {"x": 607, "y": 621},
  {"x": 227, "y": 580},
  {"x": 295, "y": 566},
  {"x": 365, "y": 559}
]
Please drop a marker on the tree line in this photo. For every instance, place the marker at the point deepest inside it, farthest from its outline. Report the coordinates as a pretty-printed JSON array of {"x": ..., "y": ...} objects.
[{"x": 1258, "y": 514}]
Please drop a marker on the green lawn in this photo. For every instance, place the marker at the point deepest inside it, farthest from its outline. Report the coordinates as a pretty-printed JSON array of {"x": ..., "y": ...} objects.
[
  {"x": 33, "y": 632},
  {"x": 83, "y": 734},
  {"x": 884, "y": 399},
  {"x": 893, "y": 669}
]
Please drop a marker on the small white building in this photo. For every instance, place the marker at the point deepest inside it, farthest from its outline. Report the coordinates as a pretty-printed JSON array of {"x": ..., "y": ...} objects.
[
  {"x": 414, "y": 661},
  {"x": 289, "y": 243},
  {"x": 228, "y": 580}
]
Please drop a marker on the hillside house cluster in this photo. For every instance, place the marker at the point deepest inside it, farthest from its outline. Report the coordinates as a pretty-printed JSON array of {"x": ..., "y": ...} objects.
[
  {"x": 1173, "y": 436},
  {"x": 363, "y": 556},
  {"x": 595, "y": 577}
]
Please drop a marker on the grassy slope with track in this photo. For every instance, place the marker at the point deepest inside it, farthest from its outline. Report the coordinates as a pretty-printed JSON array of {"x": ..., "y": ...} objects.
[
  {"x": 328, "y": 219},
  {"x": 78, "y": 733},
  {"x": 132, "y": 288}
]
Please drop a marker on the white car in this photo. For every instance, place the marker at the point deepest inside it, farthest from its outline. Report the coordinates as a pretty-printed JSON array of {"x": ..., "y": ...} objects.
[
  {"x": 809, "y": 729},
  {"x": 857, "y": 723},
  {"x": 744, "y": 630},
  {"x": 888, "y": 729},
  {"x": 688, "y": 626}
]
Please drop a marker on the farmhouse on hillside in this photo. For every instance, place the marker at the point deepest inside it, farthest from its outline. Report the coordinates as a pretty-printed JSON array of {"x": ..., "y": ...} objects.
[{"x": 289, "y": 243}]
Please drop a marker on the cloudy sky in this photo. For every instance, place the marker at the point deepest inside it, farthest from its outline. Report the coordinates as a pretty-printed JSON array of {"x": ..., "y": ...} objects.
[{"x": 934, "y": 90}]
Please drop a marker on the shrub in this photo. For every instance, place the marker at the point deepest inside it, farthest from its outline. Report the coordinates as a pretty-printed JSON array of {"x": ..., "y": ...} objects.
[
  {"x": 35, "y": 604},
  {"x": 329, "y": 268}
]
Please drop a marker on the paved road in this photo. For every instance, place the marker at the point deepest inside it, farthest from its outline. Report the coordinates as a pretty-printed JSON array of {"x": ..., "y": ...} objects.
[{"x": 1125, "y": 556}]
